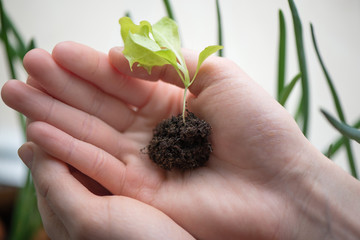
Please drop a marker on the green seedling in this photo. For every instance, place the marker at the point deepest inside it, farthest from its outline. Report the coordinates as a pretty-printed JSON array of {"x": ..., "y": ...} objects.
[{"x": 157, "y": 45}]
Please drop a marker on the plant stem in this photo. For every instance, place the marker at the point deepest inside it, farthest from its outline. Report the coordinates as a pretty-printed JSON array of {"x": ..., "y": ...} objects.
[
  {"x": 26, "y": 218},
  {"x": 4, "y": 27},
  {"x": 288, "y": 89},
  {"x": 169, "y": 9},
  {"x": 337, "y": 144},
  {"x": 328, "y": 78},
  {"x": 336, "y": 101},
  {"x": 21, "y": 48},
  {"x": 11, "y": 52},
  {"x": 342, "y": 127},
  {"x": 220, "y": 35},
  {"x": 281, "y": 55},
  {"x": 305, "y": 111},
  {"x": 347, "y": 131},
  {"x": 184, "y": 104}
]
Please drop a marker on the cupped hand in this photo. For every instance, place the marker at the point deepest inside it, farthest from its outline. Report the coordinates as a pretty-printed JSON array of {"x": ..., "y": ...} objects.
[
  {"x": 90, "y": 111},
  {"x": 70, "y": 211}
]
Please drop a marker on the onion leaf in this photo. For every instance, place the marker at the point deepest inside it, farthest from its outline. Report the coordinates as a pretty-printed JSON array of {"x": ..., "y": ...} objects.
[{"x": 342, "y": 127}]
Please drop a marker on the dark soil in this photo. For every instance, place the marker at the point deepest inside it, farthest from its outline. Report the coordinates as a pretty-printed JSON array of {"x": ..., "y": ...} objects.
[{"x": 176, "y": 145}]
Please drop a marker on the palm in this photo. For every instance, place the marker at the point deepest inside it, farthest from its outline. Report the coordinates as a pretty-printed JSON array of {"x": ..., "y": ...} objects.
[
  {"x": 113, "y": 133},
  {"x": 184, "y": 195}
]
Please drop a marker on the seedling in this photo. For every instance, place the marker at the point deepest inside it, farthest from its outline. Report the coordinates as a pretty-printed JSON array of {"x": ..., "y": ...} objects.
[
  {"x": 180, "y": 142},
  {"x": 158, "y": 45}
]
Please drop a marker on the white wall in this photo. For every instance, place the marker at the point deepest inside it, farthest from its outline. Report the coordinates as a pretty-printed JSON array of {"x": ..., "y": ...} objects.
[{"x": 250, "y": 39}]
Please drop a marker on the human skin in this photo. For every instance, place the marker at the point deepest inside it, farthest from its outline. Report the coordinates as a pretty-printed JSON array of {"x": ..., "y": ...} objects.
[
  {"x": 70, "y": 211},
  {"x": 264, "y": 180}
]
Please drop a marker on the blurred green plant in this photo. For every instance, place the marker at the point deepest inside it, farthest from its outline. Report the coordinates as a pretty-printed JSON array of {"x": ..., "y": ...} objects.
[
  {"x": 303, "y": 114},
  {"x": 284, "y": 90},
  {"x": 219, "y": 28},
  {"x": 26, "y": 219},
  {"x": 346, "y": 130},
  {"x": 169, "y": 10},
  {"x": 338, "y": 108}
]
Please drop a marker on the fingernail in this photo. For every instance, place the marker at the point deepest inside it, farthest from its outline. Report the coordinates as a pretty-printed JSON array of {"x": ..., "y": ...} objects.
[
  {"x": 26, "y": 154},
  {"x": 118, "y": 49}
]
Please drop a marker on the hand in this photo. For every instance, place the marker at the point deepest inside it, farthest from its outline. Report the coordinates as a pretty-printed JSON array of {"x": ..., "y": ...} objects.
[
  {"x": 90, "y": 111},
  {"x": 70, "y": 211}
]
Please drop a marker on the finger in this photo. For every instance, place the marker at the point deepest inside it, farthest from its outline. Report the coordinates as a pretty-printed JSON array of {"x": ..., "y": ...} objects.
[
  {"x": 57, "y": 191},
  {"x": 92, "y": 185},
  {"x": 94, "y": 66},
  {"x": 74, "y": 91},
  {"x": 38, "y": 106},
  {"x": 216, "y": 80},
  {"x": 82, "y": 214},
  {"x": 211, "y": 71},
  {"x": 54, "y": 228},
  {"x": 88, "y": 159},
  {"x": 35, "y": 84},
  {"x": 121, "y": 121}
]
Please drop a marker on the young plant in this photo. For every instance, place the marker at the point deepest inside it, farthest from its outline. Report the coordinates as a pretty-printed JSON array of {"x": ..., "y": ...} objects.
[{"x": 157, "y": 45}]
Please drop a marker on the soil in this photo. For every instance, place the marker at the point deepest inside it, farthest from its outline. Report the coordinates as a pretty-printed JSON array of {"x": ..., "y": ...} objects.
[{"x": 176, "y": 145}]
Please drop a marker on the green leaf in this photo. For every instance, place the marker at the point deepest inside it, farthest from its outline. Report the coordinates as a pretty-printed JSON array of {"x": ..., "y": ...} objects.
[
  {"x": 10, "y": 50},
  {"x": 305, "y": 98},
  {"x": 288, "y": 89},
  {"x": 166, "y": 34},
  {"x": 220, "y": 32},
  {"x": 203, "y": 55},
  {"x": 337, "y": 102},
  {"x": 281, "y": 55},
  {"x": 140, "y": 48},
  {"x": 26, "y": 220},
  {"x": 158, "y": 45},
  {"x": 345, "y": 129},
  {"x": 329, "y": 151},
  {"x": 334, "y": 94},
  {"x": 338, "y": 143},
  {"x": 146, "y": 52},
  {"x": 127, "y": 26},
  {"x": 169, "y": 9},
  {"x": 16, "y": 39}
]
